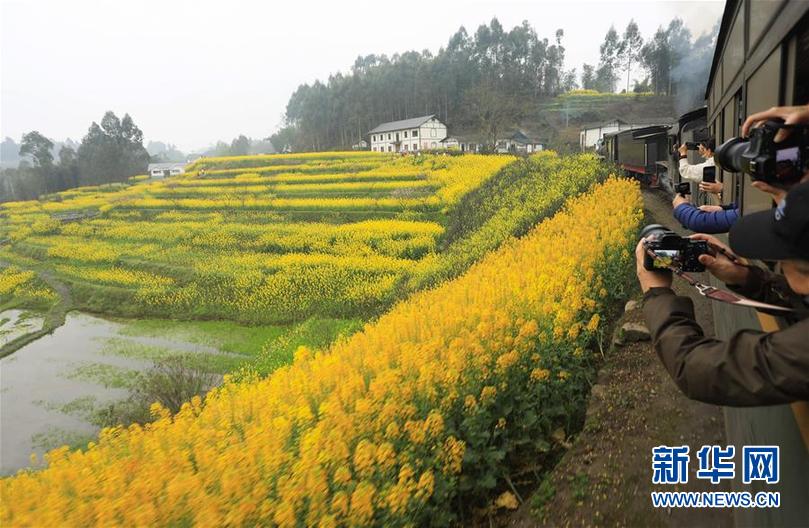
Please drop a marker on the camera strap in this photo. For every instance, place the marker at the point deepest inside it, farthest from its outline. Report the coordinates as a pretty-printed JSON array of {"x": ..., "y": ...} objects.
[{"x": 717, "y": 294}]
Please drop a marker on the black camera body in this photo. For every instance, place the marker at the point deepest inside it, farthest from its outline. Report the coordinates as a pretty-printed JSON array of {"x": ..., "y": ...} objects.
[
  {"x": 670, "y": 249},
  {"x": 780, "y": 164},
  {"x": 683, "y": 188},
  {"x": 691, "y": 145}
]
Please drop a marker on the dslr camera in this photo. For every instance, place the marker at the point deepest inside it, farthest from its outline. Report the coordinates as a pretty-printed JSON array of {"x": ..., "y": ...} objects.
[
  {"x": 780, "y": 164},
  {"x": 670, "y": 249}
]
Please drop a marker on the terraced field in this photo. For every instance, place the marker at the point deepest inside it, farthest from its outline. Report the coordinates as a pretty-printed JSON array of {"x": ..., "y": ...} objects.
[{"x": 257, "y": 239}]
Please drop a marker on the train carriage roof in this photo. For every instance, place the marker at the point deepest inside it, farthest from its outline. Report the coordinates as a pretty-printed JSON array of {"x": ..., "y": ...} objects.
[
  {"x": 727, "y": 18},
  {"x": 697, "y": 113},
  {"x": 650, "y": 132}
]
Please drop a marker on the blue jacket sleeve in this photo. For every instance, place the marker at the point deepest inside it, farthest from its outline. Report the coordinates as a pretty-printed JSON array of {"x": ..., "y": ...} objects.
[{"x": 703, "y": 222}]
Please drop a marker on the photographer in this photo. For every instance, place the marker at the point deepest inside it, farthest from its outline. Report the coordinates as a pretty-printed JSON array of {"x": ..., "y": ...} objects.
[
  {"x": 753, "y": 367},
  {"x": 694, "y": 172}
]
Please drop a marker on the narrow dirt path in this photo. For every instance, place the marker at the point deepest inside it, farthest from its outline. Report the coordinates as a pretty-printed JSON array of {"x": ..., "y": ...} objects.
[
  {"x": 53, "y": 319},
  {"x": 604, "y": 479}
]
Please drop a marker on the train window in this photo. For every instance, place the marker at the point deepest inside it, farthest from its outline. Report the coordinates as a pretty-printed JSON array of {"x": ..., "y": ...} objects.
[
  {"x": 762, "y": 93},
  {"x": 761, "y": 12}
]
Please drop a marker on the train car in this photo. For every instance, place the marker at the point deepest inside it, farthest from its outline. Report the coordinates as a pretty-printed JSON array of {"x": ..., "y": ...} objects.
[
  {"x": 690, "y": 127},
  {"x": 637, "y": 151},
  {"x": 761, "y": 61},
  {"x": 655, "y": 151}
]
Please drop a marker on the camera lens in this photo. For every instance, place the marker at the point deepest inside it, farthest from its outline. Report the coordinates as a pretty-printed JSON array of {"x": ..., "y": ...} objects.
[
  {"x": 729, "y": 154},
  {"x": 655, "y": 230}
]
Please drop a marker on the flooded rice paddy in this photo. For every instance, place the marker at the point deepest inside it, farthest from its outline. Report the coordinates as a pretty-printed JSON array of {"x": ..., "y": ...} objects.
[{"x": 51, "y": 388}]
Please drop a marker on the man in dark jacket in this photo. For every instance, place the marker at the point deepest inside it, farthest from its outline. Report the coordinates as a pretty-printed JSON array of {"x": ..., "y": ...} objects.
[
  {"x": 705, "y": 219},
  {"x": 753, "y": 367}
]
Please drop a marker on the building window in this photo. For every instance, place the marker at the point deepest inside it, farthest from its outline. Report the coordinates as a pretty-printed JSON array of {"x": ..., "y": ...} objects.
[
  {"x": 390, "y": 149},
  {"x": 405, "y": 146},
  {"x": 432, "y": 132},
  {"x": 415, "y": 146},
  {"x": 405, "y": 133},
  {"x": 373, "y": 138},
  {"x": 415, "y": 133},
  {"x": 388, "y": 137}
]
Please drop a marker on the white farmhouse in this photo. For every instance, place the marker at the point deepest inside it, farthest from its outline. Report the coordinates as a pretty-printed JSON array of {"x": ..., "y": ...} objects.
[
  {"x": 408, "y": 135},
  {"x": 162, "y": 170}
]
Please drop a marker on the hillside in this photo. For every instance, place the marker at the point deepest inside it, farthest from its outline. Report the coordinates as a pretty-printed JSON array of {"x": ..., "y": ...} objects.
[
  {"x": 424, "y": 278},
  {"x": 421, "y": 417},
  {"x": 269, "y": 239},
  {"x": 560, "y": 119},
  {"x": 256, "y": 239}
]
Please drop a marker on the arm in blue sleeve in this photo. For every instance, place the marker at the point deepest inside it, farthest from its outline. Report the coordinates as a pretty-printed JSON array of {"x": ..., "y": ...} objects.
[
  {"x": 684, "y": 214},
  {"x": 703, "y": 222}
]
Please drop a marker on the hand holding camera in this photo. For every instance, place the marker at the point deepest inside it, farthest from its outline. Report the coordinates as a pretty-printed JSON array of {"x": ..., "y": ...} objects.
[
  {"x": 661, "y": 250},
  {"x": 790, "y": 115},
  {"x": 683, "y": 189},
  {"x": 721, "y": 262},
  {"x": 665, "y": 249},
  {"x": 768, "y": 155},
  {"x": 649, "y": 279},
  {"x": 679, "y": 200}
]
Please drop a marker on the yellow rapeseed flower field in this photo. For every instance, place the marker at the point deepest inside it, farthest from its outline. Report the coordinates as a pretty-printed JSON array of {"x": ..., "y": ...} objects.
[
  {"x": 388, "y": 427},
  {"x": 255, "y": 239}
]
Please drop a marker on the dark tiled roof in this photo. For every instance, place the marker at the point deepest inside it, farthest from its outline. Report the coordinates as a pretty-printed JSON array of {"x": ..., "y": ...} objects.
[{"x": 413, "y": 122}]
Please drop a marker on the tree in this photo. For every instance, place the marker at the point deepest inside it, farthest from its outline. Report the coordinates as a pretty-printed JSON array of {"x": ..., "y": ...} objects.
[
  {"x": 112, "y": 151},
  {"x": 9, "y": 152},
  {"x": 606, "y": 75},
  {"x": 588, "y": 77},
  {"x": 38, "y": 147},
  {"x": 630, "y": 48},
  {"x": 67, "y": 156},
  {"x": 286, "y": 139},
  {"x": 569, "y": 81},
  {"x": 240, "y": 146},
  {"x": 642, "y": 86},
  {"x": 494, "y": 111},
  {"x": 656, "y": 57}
]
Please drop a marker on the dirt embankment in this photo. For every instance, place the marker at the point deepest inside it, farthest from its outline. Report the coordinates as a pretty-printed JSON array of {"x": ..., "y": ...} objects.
[
  {"x": 604, "y": 479},
  {"x": 54, "y": 318}
]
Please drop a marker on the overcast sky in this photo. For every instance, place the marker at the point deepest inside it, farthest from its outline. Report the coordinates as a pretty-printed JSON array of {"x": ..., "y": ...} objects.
[{"x": 191, "y": 72}]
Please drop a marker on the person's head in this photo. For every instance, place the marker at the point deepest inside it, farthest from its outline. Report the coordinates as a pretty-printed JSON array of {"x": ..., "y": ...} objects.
[
  {"x": 780, "y": 234},
  {"x": 706, "y": 147}
]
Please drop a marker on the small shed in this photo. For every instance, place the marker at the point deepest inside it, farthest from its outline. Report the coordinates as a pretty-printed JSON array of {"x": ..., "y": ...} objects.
[
  {"x": 464, "y": 143},
  {"x": 360, "y": 145},
  {"x": 164, "y": 170}
]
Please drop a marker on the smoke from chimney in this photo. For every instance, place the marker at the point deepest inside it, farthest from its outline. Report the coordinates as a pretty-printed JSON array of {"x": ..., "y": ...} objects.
[{"x": 690, "y": 76}]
